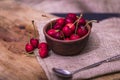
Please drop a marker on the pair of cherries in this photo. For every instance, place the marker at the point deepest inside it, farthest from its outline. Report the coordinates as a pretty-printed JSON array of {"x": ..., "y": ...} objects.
[
  {"x": 34, "y": 44},
  {"x": 69, "y": 28}
]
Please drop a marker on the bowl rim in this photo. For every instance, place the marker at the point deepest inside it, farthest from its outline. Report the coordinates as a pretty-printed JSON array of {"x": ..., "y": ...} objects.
[{"x": 65, "y": 41}]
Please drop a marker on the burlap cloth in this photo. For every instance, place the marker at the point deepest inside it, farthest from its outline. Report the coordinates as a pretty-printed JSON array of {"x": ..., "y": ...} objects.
[{"x": 104, "y": 42}]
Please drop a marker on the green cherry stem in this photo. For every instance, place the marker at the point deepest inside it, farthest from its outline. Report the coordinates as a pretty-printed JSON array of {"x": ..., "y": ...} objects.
[
  {"x": 63, "y": 35},
  {"x": 91, "y": 22},
  {"x": 30, "y": 54},
  {"x": 77, "y": 22},
  {"x": 51, "y": 25},
  {"x": 29, "y": 37},
  {"x": 35, "y": 34}
]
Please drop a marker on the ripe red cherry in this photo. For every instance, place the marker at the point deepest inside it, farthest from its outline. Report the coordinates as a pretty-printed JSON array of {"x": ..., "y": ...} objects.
[
  {"x": 57, "y": 26},
  {"x": 67, "y": 31},
  {"x": 34, "y": 42},
  {"x": 72, "y": 16},
  {"x": 43, "y": 45},
  {"x": 81, "y": 31},
  {"x": 55, "y": 33},
  {"x": 59, "y": 35},
  {"x": 52, "y": 32},
  {"x": 71, "y": 26},
  {"x": 67, "y": 38},
  {"x": 74, "y": 37},
  {"x": 43, "y": 52},
  {"x": 60, "y": 21},
  {"x": 69, "y": 20},
  {"x": 81, "y": 22},
  {"x": 29, "y": 47}
]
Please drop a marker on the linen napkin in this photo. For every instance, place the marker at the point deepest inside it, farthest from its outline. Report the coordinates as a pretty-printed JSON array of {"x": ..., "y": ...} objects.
[{"x": 104, "y": 42}]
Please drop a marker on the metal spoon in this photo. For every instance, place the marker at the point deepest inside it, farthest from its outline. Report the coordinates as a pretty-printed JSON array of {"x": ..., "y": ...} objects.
[{"x": 66, "y": 74}]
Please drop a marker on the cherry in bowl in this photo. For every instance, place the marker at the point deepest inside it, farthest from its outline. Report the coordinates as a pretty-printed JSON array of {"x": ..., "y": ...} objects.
[{"x": 68, "y": 45}]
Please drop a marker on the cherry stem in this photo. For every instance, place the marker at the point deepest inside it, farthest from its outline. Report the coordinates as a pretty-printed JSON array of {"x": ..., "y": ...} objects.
[
  {"x": 45, "y": 16},
  {"x": 91, "y": 22},
  {"x": 30, "y": 54},
  {"x": 51, "y": 25},
  {"x": 63, "y": 35},
  {"x": 29, "y": 38},
  {"x": 77, "y": 23},
  {"x": 35, "y": 34}
]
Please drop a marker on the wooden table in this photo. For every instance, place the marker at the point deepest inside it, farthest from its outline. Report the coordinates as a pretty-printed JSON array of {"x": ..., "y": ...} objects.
[{"x": 15, "y": 27}]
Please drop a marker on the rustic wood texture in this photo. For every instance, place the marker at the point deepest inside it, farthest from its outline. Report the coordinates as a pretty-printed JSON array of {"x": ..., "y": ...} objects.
[{"x": 15, "y": 27}]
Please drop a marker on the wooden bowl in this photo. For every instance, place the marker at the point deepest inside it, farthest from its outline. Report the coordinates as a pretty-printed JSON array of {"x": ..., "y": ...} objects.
[{"x": 66, "y": 47}]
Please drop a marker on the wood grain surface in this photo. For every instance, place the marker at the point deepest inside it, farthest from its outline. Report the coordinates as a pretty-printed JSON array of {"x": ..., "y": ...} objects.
[{"x": 15, "y": 29}]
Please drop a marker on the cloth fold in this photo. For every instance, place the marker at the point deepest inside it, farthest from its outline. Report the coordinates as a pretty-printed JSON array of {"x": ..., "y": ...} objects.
[{"x": 104, "y": 42}]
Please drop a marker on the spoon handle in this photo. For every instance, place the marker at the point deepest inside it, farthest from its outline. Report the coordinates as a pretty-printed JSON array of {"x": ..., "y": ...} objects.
[
  {"x": 98, "y": 63},
  {"x": 113, "y": 58}
]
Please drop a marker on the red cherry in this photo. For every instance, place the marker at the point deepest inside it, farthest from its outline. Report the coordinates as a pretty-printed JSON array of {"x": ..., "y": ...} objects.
[
  {"x": 34, "y": 42},
  {"x": 59, "y": 35},
  {"x": 82, "y": 21},
  {"x": 43, "y": 52},
  {"x": 57, "y": 26},
  {"x": 60, "y": 21},
  {"x": 55, "y": 33},
  {"x": 29, "y": 47},
  {"x": 43, "y": 45},
  {"x": 67, "y": 38},
  {"x": 52, "y": 32},
  {"x": 74, "y": 37},
  {"x": 81, "y": 31},
  {"x": 69, "y": 20},
  {"x": 72, "y": 16},
  {"x": 71, "y": 26},
  {"x": 67, "y": 31}
]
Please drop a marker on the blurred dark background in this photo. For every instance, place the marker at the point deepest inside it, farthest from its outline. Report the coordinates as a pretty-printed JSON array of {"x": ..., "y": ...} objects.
[{"x": 92, "y": 9}]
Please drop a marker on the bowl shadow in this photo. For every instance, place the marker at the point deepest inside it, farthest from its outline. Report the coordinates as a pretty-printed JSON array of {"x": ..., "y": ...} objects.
[{"x": 92, "y": 44}]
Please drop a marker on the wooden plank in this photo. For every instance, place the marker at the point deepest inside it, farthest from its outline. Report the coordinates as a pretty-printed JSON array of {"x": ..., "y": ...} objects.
[{"x": 15, "y": 27}]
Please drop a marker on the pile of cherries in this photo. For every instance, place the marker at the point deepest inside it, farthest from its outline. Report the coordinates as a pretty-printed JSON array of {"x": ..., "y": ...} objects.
[
  {"x": 71, "y": 27},
  {"x": 35, "y": 44}
]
